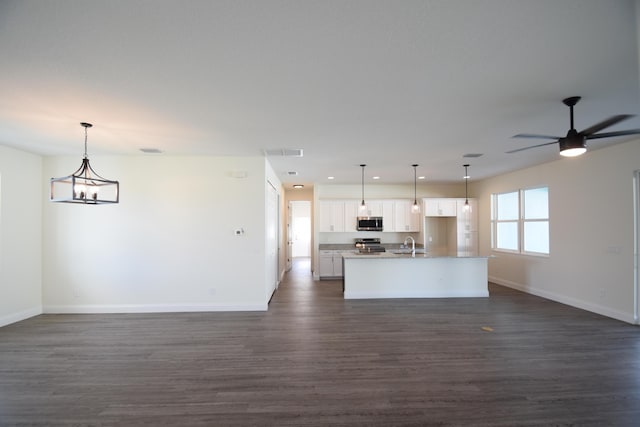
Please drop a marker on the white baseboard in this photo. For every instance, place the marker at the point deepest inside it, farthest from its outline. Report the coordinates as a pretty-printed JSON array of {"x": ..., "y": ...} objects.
[
  {"x": 573, "y": 302},
  {"x": 19, "y": 316},
  {"x": 144, "y": 308}
]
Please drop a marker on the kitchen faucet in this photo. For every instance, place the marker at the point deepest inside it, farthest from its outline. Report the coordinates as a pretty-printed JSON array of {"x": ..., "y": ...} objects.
[{"x": 413, "y": 245}]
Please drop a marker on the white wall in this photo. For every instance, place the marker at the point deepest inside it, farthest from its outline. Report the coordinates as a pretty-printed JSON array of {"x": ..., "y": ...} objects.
[
  {"x": 169, "y": 245},
  {"x": 20, "y": 235},
  {"x": 591, "y": 231}
]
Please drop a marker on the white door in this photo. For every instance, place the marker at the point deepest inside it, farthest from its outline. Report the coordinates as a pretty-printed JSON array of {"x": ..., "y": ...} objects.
[
  {"x": 272, "y": 241},
  {"x": 289, "y": 254}
]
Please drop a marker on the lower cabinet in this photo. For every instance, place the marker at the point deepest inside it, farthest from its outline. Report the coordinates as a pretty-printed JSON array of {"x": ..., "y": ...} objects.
[{"x": 330, "y": 263}]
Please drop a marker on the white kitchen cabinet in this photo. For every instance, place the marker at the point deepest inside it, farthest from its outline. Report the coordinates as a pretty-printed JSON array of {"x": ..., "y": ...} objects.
[
  {"x": 467, "y": 228},
  {"x": 326, "y": 263},
  {"x": 374, "y": 208},
  {"x": 404, "y": 219},
  {"x": 351, "y": 216},
  {"x": 337, "y": 263},
  {"x": 467, "y": 218},
  {"x": 467, "y": 243},
  {"x": 331, "y": 263},
  {"x": 342, "y": 215},
  {"x": 388, "y": 216},
  {"x": 439, "y": 207},
  {"x": 331, "y": 216}
]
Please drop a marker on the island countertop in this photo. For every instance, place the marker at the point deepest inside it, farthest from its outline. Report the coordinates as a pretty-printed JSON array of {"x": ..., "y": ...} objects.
[
  {"x": 396, "y": 255},
  {"x": 392, "y": 275}
]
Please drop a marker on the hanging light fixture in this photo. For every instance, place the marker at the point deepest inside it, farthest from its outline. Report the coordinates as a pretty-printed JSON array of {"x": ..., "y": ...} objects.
[
  {"x": 467, "y": 207},
  {"x": 363, "y": 206},
  {"x": 415, "y": 208},
  {"x": 84, "y": 185}
]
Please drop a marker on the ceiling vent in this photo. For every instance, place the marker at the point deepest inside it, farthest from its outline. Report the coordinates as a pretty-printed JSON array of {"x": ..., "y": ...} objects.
[
  {"x": 151, "y": 150},
  {"x": 473, "y": 155},
  {"x": 292, "y": 173},
  {"x": 284, "y": 152}
]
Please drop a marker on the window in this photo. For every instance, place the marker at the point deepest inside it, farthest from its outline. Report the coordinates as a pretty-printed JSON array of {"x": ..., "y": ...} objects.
[{"x": 520, "y": 221}]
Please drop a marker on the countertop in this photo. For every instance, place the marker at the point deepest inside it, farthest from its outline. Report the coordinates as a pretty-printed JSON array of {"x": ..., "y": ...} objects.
[{"x": 351, "y": 246}]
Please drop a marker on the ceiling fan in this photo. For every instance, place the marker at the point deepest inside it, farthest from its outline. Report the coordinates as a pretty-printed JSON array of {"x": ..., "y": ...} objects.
[{"x": 574, "y": 143}]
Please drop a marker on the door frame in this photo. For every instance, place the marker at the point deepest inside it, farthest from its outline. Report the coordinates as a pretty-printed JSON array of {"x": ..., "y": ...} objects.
[
  {"x": 636, "y": 246},
  {"x": 292, "y": 216}
]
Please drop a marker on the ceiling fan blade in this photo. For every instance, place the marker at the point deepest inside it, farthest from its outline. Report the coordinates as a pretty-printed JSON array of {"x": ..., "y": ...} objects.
[
  {"x": 612, "y": 134},
  {"x": 531, "y": 146},
  {"x": 533, "y": 135},
  {"x": 605, "y": 124}
]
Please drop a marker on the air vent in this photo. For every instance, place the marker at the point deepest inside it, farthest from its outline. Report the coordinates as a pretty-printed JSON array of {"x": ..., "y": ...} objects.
[
  {"x": 473, "y": 155},
  {"x": 151, "y": 150},
  {"x": 284, "y": 152},
  {"x": 292, "y": 173}
]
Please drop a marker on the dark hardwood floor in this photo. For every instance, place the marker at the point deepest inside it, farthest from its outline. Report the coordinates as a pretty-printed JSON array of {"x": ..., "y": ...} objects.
[{"x": 315, "y": 359}]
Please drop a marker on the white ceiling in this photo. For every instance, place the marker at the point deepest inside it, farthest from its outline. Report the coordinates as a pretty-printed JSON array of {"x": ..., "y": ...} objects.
[{"x": 386, "y": 83}]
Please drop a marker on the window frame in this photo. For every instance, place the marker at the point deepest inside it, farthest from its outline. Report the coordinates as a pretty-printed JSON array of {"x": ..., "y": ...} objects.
[{"x": 520, "y": 221}]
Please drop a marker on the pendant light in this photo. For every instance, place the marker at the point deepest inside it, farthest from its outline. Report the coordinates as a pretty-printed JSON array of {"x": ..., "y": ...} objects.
[
  {"x": 415, "y": 208},
  {"x": 467, "y": 207},
  {"x": 85, "y": 185},
  {"x": 363, "y": 206}
]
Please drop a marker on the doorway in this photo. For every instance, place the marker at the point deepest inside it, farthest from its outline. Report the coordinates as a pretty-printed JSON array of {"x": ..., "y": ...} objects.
[{"x": 299, "y": 230}]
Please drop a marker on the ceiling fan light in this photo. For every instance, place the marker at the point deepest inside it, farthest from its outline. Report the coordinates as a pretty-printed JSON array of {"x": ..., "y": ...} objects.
[
  {"x": 573, "y": 152},
  {"x": 572, "y": 147}
]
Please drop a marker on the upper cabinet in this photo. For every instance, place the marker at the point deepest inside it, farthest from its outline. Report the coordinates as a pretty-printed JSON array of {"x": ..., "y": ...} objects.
[
  {"x": 378, "y": 208},
  {"x": 350, "y": 215},
  {"x": 440, "y": 207},
  {"x": 332, "y": 216},
  {"x": 341, "y": 215},
  {"x": 404, "y": 219}
]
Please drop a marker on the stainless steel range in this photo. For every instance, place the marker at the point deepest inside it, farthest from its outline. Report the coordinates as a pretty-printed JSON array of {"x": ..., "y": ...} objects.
[{"x": 369, "y": 245}]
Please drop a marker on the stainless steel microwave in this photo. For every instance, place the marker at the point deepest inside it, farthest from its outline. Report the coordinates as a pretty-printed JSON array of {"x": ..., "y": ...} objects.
[{"x": 369, "y": 223}]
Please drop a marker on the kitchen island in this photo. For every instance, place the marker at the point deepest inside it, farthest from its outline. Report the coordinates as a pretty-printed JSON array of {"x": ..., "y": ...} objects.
[{"x": 390, "y": 275}]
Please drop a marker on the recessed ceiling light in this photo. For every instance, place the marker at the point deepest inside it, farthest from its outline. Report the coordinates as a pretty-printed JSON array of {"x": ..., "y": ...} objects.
[
  {"x": 376, "y": 177},
  {"x": 330, "y": 177},
  {"x": 421, "y": 177},
  {"x": 298, "y": 186}
]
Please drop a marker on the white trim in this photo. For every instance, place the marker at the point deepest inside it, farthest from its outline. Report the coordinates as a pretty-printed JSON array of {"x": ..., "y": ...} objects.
[
  {"x": 636, "y": 247},
  {"x": 20, "y": 316},
  {"x": 147, "y": 308},
  {"x": 563, "y": 299}
]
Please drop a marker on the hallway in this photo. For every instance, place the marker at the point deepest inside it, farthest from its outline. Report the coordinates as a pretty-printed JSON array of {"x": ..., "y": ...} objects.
[{"x": 315, "y": 359}]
